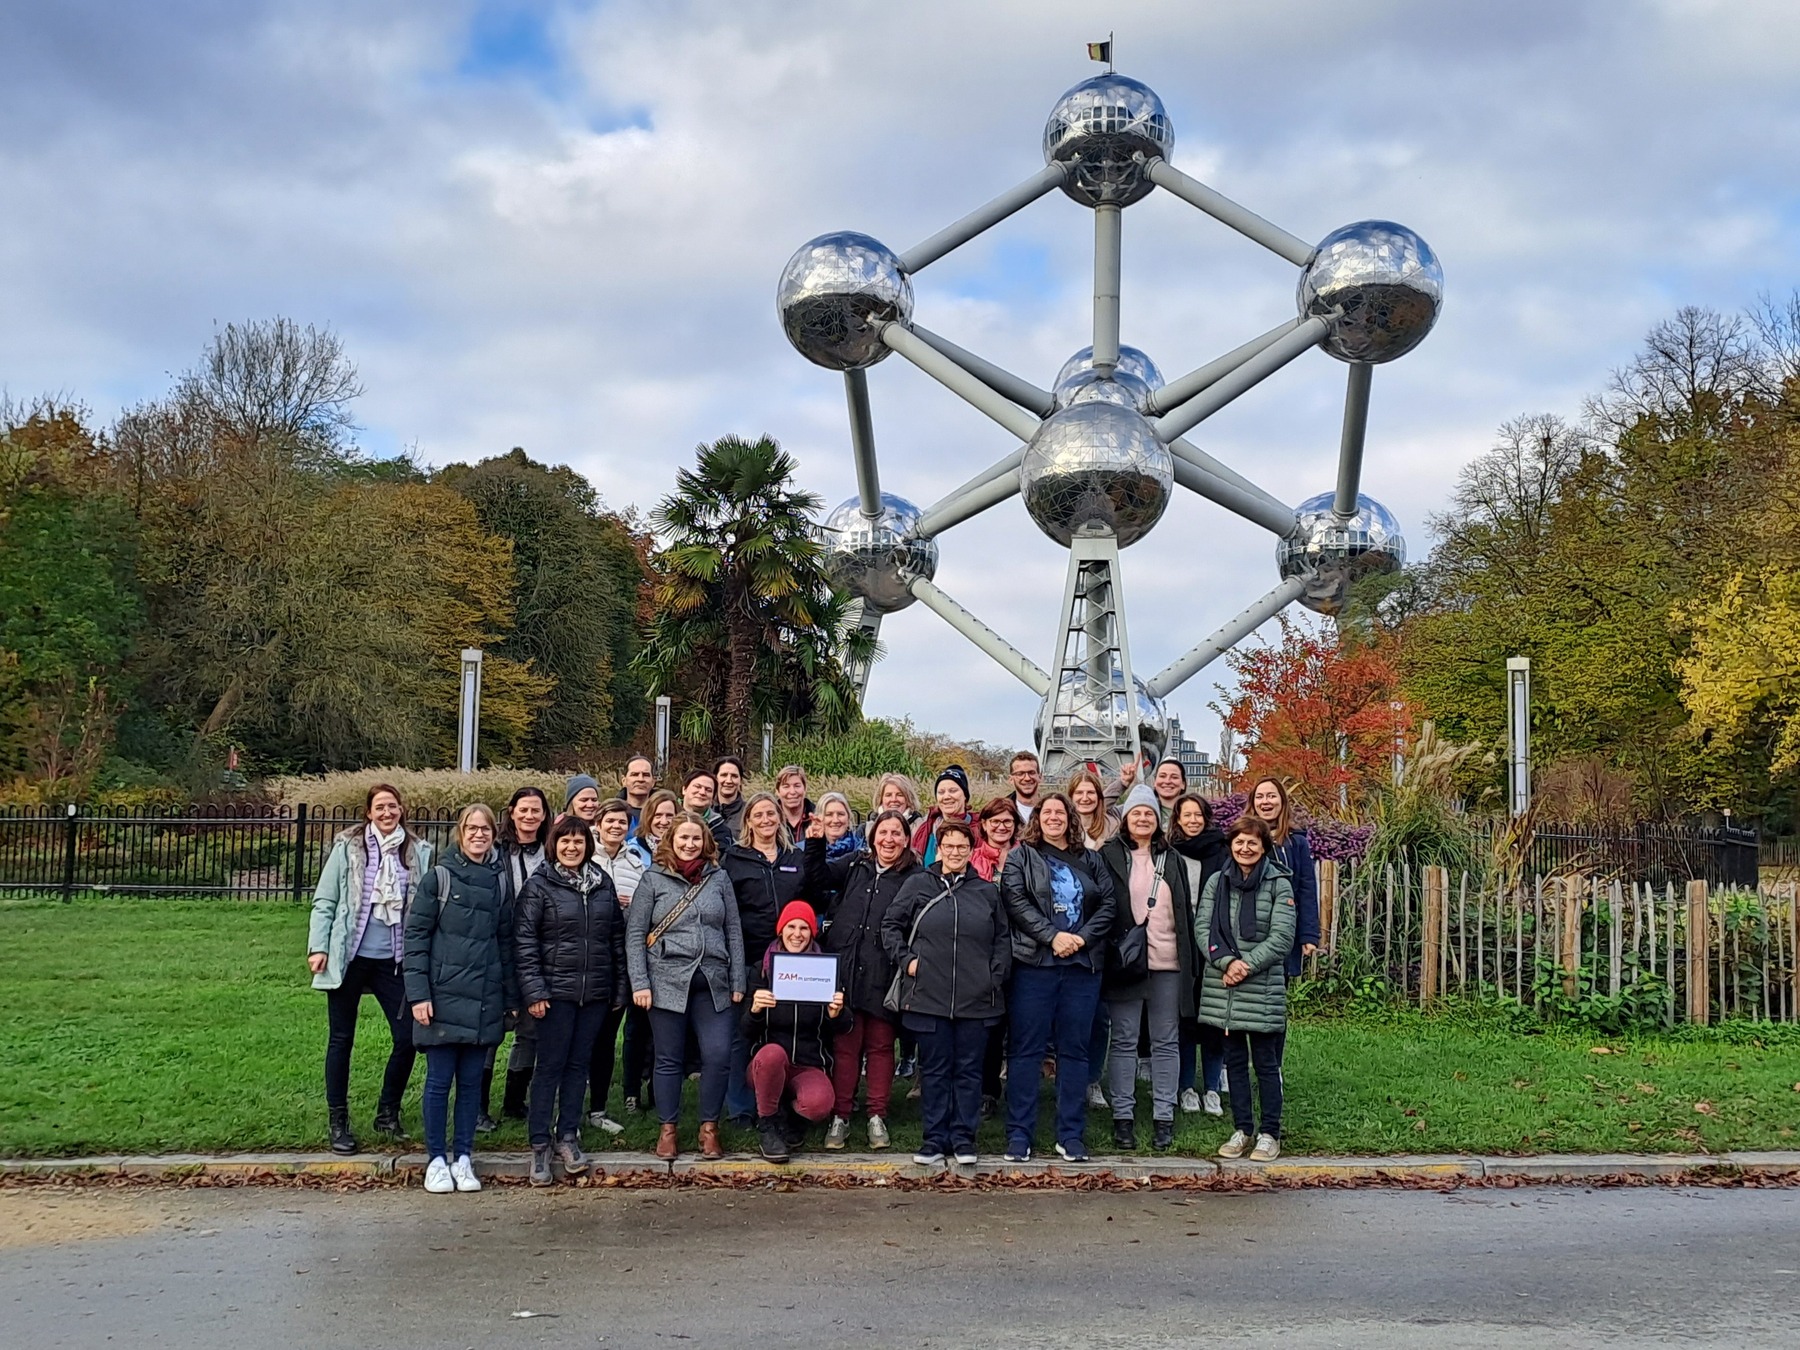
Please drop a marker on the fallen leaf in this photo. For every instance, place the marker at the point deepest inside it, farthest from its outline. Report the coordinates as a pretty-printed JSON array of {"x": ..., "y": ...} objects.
[
  {"x": 1706, "y": 1108},
  {"x": 1602, "y": 1050},
  {"x": 1648, "y": 1089}
]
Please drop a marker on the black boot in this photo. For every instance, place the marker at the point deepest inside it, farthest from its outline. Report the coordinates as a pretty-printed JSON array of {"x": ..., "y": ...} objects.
[
  {"x": 1162, "y": 1135},
  {"x": 774, "y": 1138},
  {"x": 794, "y": 1128},
  {"x": 1124, "y": 1134},
  {"x": 342, "y": 1141},
  {"x": 485, "y": 1122},
  {"x": 518, "y": 1094},
  {"x": 387, "y": 1120}
]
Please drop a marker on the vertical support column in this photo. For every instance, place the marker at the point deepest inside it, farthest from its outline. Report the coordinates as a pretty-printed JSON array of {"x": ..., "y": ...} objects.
[
  {"x": 862, "y": 442},
  {"x": 1350, "y": 446},
  {"x": 858, "y": 669},
  {"x": 1518, "y": 734},
  {"x": 1699, "y": 956},
  {"x": 1108, "y": 244},
  {"x": 1090, "y": 712},
  {"x": 1437, "y": 890}
]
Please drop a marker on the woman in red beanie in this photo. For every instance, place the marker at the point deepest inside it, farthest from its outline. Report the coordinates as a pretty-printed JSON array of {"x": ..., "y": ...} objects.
[{"x": 791, "y": 1043}]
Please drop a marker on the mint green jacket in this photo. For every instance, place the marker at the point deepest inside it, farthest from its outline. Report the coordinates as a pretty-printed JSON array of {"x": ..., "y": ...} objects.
[{"x": 1259, "y": 1002}]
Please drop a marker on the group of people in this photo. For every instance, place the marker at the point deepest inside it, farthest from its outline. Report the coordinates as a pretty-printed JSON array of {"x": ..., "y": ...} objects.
[{"x": 1093, "y": 928}]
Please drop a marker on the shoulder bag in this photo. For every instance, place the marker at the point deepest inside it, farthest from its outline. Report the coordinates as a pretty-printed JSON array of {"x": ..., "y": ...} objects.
[
  {"x": 891, "y": 1001},
  {"x": 1128, "y": 959}
]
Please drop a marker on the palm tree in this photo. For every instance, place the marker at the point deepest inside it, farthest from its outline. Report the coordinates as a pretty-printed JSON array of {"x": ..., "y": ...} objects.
[{"x": 745, "y": 615}]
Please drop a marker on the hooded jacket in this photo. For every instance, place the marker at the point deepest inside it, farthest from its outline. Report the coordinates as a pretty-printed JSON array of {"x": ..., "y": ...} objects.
[
  {"x": 459, "y": 951},
  {"x": 963, "y": 945},
  {"x": 570, "y": 947},
  {"x": 805, "y": 1031},
  {"x": 706, "y": 940},
  {"x": 859, "y": 896},
  {"x": 1259, "y": 1002}
]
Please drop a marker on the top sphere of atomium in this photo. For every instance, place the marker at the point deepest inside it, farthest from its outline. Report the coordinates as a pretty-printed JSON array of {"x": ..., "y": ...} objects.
[
  {"x": 874, "y": 559},
  {"x": 1096, "y": 464},
  {"x": 1099, "y": 128},
  {"x": 1387, "y": 282},
  {"x": 1334, "y": 554},
  {"x": 836, "y": 292},
  {"x": 1132, "y": 382}
]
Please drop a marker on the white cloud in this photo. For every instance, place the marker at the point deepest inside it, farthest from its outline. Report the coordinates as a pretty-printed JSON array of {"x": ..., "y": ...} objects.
[{"x": 583, "y": 263}]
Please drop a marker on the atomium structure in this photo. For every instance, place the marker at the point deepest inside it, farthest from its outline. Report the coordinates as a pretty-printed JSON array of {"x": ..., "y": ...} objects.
[{"x": 1103, "y": 449}]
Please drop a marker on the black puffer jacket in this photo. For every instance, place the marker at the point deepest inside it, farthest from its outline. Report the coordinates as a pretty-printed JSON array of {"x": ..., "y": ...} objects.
[
  {"x": 570, "y": 943},
  {"x": 963, "y": 946},
  {"x": 459, "y": 952},
  {"x": 805, "y": 1030},
  {"x": 863, "y": 896},
  {"x": 762, "y": 888}
]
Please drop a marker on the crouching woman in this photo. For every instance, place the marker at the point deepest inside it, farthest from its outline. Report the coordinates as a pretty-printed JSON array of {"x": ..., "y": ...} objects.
[
  {"x": 1245, "y": 928},
  {"x": 791, "y": 1042}
]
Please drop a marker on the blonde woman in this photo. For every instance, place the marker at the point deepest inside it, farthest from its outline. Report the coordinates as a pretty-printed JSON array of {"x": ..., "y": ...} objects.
[{"x": 461, "y": 984}]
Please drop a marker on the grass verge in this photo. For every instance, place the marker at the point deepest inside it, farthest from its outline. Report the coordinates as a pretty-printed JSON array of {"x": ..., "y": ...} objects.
[{"x": 148, "y": 1026}]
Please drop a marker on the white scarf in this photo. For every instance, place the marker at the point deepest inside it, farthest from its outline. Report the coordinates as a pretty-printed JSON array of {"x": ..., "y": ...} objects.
[{"x": 387, "y": 901}]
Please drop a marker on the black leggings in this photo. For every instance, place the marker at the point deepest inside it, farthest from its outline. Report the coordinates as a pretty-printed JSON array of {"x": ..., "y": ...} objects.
[{"x": 377, "y": 976}]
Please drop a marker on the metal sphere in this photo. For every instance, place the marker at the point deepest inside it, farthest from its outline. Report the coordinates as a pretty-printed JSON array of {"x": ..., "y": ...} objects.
[
  {"x": 1096, "y": 464},
  {"x": 1077, "y": 375},
  {"x": 1387, "y": 282},
  {"x": 875, "y": 559},
  {"x": 1334, "y": 554},
  {"x": 835, "y": 294},
  {"x": 1109, "y": 714},
  {"x": 1099, "y": 128}
]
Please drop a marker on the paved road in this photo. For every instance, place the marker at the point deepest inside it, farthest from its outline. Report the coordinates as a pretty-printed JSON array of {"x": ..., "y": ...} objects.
[{"x": 1393, "y": 1269}]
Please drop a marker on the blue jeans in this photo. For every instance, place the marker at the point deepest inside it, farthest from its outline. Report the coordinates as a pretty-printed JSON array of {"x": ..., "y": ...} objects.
[
  {"x": 1098, "y": 1043},
  {"x": 950, "y": 1053},
  {"x": 566, "y": 1035},
  {"x": 740, "y": 1097},
  {"x": 1050, "y": 1000},
  {"x": 444, "y": 1065},
  {"x": 669, "y": 1031},
  {"x": 1202, "y": 1044}
]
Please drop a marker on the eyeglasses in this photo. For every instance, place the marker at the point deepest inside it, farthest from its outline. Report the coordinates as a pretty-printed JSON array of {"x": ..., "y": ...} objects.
[{"x": 478, "y": 829}]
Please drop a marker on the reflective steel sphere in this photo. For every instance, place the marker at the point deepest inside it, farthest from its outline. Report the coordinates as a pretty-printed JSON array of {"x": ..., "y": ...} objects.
[
  {"x": 1128, "y": 391},
  {"x": 1075, "y": 381},
  {"x": 1097, "y": 128},
  {"x": 1096, "y": 464},
  {"x": 1386, "y": 280},
  {"x": 835, "y": 294},
  {"x": 1334, "y": 554},
  {"x": 873, "y": 558},
  {"x": 1106, "y": 714}
]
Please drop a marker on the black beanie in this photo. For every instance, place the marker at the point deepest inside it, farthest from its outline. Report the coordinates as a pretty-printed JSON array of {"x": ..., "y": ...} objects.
[{"x": 956, "y": 774}]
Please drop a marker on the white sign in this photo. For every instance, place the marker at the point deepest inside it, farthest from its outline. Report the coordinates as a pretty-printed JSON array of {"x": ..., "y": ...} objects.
[{"x": 803, "y": 979}]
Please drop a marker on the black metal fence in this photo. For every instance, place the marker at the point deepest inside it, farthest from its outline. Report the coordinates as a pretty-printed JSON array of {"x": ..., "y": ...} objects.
[
  {"x": 1652, "y": 854},
  {"x": 251, "y": 852}
]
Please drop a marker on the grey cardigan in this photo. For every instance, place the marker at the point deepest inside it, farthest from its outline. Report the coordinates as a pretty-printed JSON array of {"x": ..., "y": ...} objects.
[{"x": 706, "y": 939}]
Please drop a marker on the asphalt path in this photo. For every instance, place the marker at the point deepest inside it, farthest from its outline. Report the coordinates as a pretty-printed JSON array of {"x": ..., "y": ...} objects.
[{"x": 758, "y": 1269}]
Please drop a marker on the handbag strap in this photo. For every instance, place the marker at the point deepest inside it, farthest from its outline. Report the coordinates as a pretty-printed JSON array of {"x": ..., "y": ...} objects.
[
  {"x": 668, "y": 920},
  {"x": 919, "y": 918}
]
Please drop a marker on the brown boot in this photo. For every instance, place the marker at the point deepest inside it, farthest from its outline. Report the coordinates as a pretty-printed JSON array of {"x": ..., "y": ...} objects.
[
  {"x": 710, "y": 1148},
  {"x": 667, "y": 1146}
]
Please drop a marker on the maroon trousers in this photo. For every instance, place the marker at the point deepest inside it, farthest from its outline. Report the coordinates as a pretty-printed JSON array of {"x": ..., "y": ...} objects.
[{"x": 871, "y": 1037}]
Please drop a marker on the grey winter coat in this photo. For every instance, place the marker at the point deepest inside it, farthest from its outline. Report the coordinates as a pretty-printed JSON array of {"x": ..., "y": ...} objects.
[
  {"x": 459, "y": 952},
  {"x": 707, "y": 939}
]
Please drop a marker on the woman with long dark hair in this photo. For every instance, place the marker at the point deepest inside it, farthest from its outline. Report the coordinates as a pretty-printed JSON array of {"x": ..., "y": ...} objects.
[
  {"x": 521, "y": 846},
  {"x": 1290, "y": 847},
  {"x": 369, "y": 880},
  {"x": 1201, "y": 845}
]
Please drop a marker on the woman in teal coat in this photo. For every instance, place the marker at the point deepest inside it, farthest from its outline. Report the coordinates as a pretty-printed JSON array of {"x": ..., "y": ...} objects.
[{"x": 1245, "y": 928}]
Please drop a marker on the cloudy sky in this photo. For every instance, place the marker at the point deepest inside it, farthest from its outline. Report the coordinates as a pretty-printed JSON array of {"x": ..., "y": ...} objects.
[{"x": 560, "y": 225}]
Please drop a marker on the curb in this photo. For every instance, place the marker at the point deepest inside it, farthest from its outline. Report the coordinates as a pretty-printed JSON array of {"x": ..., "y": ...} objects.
[{"x": 878, "y": 1169}]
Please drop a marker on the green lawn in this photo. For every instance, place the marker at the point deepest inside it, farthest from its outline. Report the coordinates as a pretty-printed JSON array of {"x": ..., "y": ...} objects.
[{"x": 177, "y": 1025}]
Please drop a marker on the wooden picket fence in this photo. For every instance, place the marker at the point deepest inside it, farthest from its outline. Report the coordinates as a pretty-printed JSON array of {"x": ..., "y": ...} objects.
[{"x": 1705, "y": 952}]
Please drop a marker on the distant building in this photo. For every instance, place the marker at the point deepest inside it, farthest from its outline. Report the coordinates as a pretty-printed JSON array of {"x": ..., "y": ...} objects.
[{"x": 1198, "y": 764}]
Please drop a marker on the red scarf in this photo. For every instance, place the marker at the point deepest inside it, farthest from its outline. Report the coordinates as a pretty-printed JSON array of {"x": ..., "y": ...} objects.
[{"x": 690, "y": 870}]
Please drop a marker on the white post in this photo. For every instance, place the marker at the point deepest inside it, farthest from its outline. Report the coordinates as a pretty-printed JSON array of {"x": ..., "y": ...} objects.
[
  {"x": 468, "y": 722},
  {"x": 1518, "y": 734},
  {"x": 663, "y": 706},
  {"x": 768, "y": 747}
]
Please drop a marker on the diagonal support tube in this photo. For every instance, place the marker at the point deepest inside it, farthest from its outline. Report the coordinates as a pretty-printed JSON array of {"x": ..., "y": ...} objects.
[
  {"x": 1177, "y": 673},
  {"x": 862, "y": 442},
  {"x": 982, "y": 218},
  {"x": 1108, "y": 243},
  {"x": 959, "y": 381},
  {"x": 1003, "y": 382},
  {"x": 1184, "y": 449},
  {"x": 1179, "y": 391},
  {"x": 1277, "y": 519},
  {"x": 1227, "y": 212},
  {"x": 1009, "y": 656},
  {"x": 964, "y": 503},
  {"x": 1179, "y": 421},
  {"x": 1356, "y": 430}
]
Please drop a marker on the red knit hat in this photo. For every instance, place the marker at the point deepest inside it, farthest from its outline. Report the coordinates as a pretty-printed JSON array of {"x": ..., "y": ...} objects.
[{"x": 798, "y": 909}]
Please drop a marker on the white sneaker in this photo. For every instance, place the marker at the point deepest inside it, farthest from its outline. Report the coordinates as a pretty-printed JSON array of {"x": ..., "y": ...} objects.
[
  {"x": 1268, "y": 1148},
  {"x": 1234, "y": 1147},
  {"x": 967, "y": 1157},
  {"x": 1190, "y": 1101},
  {"x": 878, "y": 1132},
  {"x": 837, "y": 1133},
  {"x": 928, "y": 1157},
  {"x": 1096, "y": 1098},
  {"x": 601, "y": 1121},
  {"x": 437, "y": 1177},
  {"x": 462, "y": 1172},
  {"x": 1213, "y": 1106}
]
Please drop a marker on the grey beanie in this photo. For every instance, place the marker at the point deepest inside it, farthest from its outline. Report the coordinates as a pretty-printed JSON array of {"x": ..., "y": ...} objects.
[
  {"x": 580, "y": 783},
  {"x": 1140, "y": 795}
]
